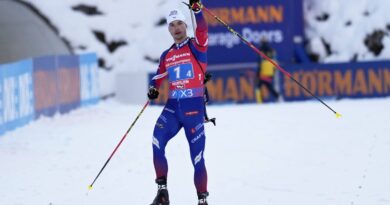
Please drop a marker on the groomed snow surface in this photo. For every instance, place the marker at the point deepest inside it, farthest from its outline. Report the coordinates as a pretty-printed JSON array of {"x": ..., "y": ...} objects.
[{"x": 275, "y": 154}]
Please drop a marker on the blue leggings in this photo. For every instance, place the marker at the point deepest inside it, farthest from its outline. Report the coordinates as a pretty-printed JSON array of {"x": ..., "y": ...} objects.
[{"x": 187, "y": 113}]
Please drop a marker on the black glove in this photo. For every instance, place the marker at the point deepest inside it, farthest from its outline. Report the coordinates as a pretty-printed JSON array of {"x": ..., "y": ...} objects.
[
  {"x": 153, "y": 93},
  {"x": 207, "y": 77},
  {"x": 194, "y": 5}
]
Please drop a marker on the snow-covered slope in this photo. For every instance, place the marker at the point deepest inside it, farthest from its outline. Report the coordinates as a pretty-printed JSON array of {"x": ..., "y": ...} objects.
[
  {"x": 123, "y": 33},
  {"x": 127, "y": 33},
  {"x": 295, "y": 154},
  {"x": 346, "y": 27}
]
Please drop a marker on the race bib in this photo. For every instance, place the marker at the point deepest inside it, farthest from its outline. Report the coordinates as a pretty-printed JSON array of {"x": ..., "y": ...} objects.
[{"x": 180, "y": 72}]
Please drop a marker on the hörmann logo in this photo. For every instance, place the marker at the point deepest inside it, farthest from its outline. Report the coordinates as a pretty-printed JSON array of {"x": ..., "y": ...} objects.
[{"x": 265, "y": 14}]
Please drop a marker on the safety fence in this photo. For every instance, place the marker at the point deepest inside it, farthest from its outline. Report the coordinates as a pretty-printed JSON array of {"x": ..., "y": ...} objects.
[{"x": 45, "y": 86}]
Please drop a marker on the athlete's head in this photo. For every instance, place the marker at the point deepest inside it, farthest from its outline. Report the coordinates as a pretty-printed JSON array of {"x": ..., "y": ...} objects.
[{"x": 177, "y": 25}]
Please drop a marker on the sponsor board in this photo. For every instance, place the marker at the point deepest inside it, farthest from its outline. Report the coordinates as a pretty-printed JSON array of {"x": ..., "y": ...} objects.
[
  {"x": 44, "y": 86},
  {"x": 16, "y": 95},
  {"x": 279, "y": 21},
  {"x": 327, "y": 81},
  {"x": 89, "y": 79}
]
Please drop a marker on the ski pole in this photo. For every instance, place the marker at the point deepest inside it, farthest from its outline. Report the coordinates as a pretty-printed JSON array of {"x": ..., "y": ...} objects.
[
  {"x": 264, "y": 56},
  {"x": 193, "y": 22},
  {"x": 120, "y": 142}
]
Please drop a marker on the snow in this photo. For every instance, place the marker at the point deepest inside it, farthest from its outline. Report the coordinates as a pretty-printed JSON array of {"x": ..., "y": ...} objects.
[
  {"x": 136, "y": 24},
  {"x": 296, "y": 153},
  {"x": 133, "y": 22},
  {"x": 365, "y": 17}
]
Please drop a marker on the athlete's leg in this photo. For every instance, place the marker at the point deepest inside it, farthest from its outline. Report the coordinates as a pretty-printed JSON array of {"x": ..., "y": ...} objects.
[
  {"x": 195, "y": 133},
  {"x": 271, "y": 88},
  {"x": 259, "y": 96},
  {"x": 167, "y": 126}
]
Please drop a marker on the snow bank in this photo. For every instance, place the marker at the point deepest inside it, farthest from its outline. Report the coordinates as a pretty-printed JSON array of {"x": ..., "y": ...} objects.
[
  {"x": 132, "y": 25},
  {"x": 344, "y": 26}
]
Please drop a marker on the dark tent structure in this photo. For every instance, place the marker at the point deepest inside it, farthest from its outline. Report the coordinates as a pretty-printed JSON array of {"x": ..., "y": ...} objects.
[{"x": 26, "y": 33}]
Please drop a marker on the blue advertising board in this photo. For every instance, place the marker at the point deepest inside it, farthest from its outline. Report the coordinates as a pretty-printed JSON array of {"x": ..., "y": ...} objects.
[
  {"x": 89, "y": 79},
  {"x": 344, "y": 80},
  {"x": 45, "y": 87},
  {"x": 232, "y": 86},
  {"x": 17, "y": 94},
  {"x": 327, "y": 81},
  {"x": 68, "y": 79},
  {"x": 279, "y": 21}
]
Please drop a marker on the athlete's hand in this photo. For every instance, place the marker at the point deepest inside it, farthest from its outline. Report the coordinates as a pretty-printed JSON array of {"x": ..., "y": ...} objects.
[
  {"x": 153, "y": 93},
  {"x": 207, "y": 77},
  {"x": 195, "y": 6}
]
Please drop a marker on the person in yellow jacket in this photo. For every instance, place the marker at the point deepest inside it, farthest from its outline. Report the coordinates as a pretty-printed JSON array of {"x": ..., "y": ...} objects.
[{"x": 266, "y": 72}]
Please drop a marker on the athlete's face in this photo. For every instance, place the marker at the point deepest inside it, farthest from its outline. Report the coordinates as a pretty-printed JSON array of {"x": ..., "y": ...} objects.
[{"x": 178, "y": 30}]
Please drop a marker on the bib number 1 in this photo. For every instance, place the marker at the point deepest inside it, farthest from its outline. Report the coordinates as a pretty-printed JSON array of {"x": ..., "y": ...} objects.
[{"x": 181, "y": 72}]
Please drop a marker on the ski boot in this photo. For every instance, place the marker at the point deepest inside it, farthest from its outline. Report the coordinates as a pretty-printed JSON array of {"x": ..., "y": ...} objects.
[
  {"x": 202, "y": 197},
  {"x": 162, "y": 197}
]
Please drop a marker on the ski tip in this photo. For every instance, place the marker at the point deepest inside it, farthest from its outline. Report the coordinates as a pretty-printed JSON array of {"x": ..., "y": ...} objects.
[
  {"x": 90, "y": 187},
  {"x": 338, "y": 115}
]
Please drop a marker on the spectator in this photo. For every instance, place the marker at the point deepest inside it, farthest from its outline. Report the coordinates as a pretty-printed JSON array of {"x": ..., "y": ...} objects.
[{"x": 266, "y": 72}]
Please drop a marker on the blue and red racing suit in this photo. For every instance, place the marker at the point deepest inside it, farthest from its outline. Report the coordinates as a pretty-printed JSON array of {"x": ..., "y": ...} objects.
[{"x": 184, "y": 65}]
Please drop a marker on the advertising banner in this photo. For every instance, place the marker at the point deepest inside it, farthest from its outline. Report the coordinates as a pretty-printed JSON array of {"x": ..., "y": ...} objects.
[
  {"x": 16, "y": 94},
  {"x": 46, "y": 86},
  {"x": 68, "y": 79},
  {"x": 327, "y": 81},
  {"x": 232, "y": 86},
  {"x": 279, "y": 21},
  {"x": 89, "y": 79},
  {"x": 345, "y": 80}
]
